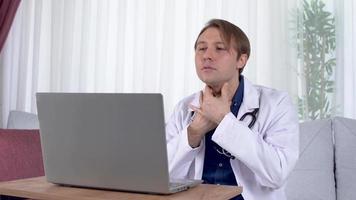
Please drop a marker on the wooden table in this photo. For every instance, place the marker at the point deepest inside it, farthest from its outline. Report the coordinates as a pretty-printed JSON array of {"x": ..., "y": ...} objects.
[{"x": 39, "y": 188}]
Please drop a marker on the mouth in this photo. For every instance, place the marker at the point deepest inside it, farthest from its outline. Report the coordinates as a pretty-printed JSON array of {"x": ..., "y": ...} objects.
[{"x": 207, "y": 68}]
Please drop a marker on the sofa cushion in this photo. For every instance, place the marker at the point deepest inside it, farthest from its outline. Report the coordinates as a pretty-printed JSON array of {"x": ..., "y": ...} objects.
[
  {"x": 345, "y": 157},
  {"x": 20, "y": 154},
  {"x": 313, "y": 176}
]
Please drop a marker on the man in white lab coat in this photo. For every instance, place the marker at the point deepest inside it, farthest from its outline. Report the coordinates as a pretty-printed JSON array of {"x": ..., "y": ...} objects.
[{"x": 232, "y": 132}]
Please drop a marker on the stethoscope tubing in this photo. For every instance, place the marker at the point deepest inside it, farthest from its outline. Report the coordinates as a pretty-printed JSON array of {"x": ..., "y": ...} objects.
[{"x": 253, "y": 116}]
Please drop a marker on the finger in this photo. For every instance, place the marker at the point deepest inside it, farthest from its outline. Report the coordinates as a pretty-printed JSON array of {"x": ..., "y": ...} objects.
[
  {"x": 201, "y": 98},
  {"x": 208, "y": 92},
  {"x": 199, "y": 111},
  {"x": 226, "y": 91},
  {"x": 196, "y": 109}
]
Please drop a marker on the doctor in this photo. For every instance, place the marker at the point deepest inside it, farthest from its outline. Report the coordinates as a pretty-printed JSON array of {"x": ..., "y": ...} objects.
[{"x": 232, "y": 132}]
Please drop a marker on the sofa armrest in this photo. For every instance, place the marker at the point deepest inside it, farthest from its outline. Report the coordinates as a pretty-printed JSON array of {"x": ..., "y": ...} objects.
[{"x": 20, "y": 154}]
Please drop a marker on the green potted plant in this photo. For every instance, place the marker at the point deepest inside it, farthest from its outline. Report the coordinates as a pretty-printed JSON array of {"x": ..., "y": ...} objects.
[{"x": 315, "y": 36}]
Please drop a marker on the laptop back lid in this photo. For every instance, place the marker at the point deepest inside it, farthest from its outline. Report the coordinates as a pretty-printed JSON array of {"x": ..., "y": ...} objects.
[{"x": 111, "y": 141}]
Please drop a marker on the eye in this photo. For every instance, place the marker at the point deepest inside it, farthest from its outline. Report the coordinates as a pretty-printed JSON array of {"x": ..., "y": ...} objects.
[
  {"x": 220, "y": 48},
  {"x": 201, "y": 48}
]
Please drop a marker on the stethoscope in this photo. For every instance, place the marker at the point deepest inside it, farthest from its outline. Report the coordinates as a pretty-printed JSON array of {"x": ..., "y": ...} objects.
[{"x": 253, "y": 116}]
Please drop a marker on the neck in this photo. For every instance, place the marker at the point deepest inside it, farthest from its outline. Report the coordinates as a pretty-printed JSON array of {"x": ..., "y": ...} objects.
[{"x": 233, "y": 85}]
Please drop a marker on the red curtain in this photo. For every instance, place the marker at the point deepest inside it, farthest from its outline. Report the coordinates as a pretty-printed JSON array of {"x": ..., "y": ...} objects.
[{"x": 7, "y": 13}]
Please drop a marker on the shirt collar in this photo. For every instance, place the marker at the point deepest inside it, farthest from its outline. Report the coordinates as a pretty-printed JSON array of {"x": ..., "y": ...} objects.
[{"x": 238, "y": 96}]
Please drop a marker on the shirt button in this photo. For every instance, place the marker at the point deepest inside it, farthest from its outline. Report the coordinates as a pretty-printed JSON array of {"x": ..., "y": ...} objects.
[
  {"x": 235, "y": 104},
  {"x": 220, "y": 164}
]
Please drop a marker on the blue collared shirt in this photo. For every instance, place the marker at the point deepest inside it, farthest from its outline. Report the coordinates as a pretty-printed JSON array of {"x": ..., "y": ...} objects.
[{"x": 217, "y": 168}]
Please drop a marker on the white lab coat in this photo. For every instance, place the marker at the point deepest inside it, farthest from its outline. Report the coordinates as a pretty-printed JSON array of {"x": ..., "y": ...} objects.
[{"x": 265, "y": 155}]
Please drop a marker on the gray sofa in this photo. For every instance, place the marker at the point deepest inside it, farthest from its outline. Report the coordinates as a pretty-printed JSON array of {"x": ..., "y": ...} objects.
[{"x": 326, "y": 168}]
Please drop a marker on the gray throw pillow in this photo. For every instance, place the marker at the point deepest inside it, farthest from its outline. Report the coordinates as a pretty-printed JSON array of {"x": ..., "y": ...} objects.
[
  {"x": 22, "y": 120},
  {"x": 313, "y": 176}
]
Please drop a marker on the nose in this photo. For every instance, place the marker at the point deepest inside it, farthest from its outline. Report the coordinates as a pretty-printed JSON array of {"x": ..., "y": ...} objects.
[{"x": 208, "y": 54}]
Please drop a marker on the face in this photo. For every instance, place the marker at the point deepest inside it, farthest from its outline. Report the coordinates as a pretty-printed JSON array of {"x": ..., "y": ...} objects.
[{"x": 216, "y": 63}]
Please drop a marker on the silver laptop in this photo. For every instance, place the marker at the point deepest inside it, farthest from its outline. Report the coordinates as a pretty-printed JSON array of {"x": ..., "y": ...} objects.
[{"x": 109, "y": 141}]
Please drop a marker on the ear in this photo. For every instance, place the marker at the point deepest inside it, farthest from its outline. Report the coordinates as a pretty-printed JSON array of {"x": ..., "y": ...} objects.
[{"x": 241, "y": 62}]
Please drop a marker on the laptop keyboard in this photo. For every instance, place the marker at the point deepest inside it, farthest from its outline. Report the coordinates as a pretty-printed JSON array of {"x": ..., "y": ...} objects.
[{"x": 176, "y": 184}]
